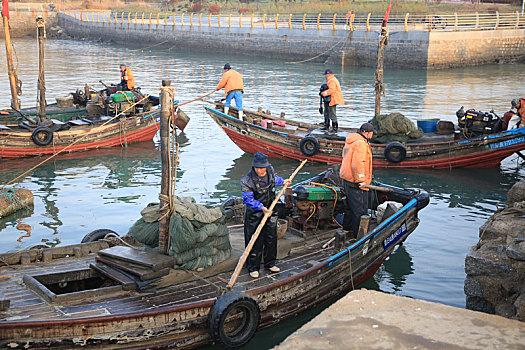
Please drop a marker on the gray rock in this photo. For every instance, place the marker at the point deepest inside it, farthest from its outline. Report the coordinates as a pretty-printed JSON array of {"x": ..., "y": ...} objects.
[
  {"x": 515, "y": 252},
  {"x": 475, "y": 264},
  {"x": 473, "y": 288},
  {"x": 505, "y": 310},
  {"x": 479, "y": 304},
  {"x": 519, "y": 305},
  {"x": 516, "y": 193}
]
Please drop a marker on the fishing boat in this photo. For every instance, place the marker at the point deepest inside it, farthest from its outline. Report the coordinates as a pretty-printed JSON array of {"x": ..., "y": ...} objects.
[
  {"x": 280, "y": 137},
  {"x": 66, "y": 297}
]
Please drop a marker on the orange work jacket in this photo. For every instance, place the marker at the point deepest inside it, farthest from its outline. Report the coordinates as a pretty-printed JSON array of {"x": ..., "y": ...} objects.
[
  {"x": 334, "y": 90},
  {"x": 521, "y": 109},
  {"x": 127, "y": 75},
  {"x": 231, "y": 80},
  {"x": 357, "y": 160}
]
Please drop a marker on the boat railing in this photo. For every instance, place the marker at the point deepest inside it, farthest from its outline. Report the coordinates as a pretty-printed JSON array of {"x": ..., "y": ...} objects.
[{"x": 360, "y": 21}]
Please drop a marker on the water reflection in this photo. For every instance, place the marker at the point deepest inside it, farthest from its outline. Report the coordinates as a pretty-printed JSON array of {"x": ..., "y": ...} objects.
[{"x": 393, "y": 273}]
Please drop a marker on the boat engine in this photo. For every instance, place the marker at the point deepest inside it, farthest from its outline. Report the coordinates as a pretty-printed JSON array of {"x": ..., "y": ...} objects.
[
  {"x": 120, "y": 102},
  {"x": 314, "y": 206},
  {"x": 477, "y": 123}
]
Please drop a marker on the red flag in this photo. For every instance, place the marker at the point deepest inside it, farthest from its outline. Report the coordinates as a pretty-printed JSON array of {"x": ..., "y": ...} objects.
[
  {"x": 5, "y": 9},
  {"x": 385, "y": 19}
]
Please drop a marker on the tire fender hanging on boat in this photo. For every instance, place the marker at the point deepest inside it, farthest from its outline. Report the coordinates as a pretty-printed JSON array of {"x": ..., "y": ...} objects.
[
  {"x": 309, "y": 145},
  {"x": 241, "y": 329},
  {"x": 42, "y": 136},
  {"x": 395, "y": 152},
  {"x": 97, "y": 235}
]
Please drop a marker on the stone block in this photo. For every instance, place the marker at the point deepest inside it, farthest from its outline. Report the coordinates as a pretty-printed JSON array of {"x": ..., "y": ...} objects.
[
  {"x": 516, "y": 193},
  {"x": 473, "y": 288},
  {"x": 475, "y": 264}
]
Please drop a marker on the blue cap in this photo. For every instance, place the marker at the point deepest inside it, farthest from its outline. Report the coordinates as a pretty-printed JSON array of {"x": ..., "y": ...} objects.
[
  {"x": 227, "y": 66},
  {"x": 260, "y": 160},
  {"x": 328, "y": 71}
]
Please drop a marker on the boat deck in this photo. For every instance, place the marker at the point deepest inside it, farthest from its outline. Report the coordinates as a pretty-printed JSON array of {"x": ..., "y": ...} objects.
[{"x": 177, "y": 288}]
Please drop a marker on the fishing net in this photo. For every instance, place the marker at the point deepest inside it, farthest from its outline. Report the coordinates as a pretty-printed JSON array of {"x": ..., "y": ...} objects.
[
  {"x": 13, "y": 199},
  {"x": 198, "y": 235},
  {"x": 394, "y": 127}
]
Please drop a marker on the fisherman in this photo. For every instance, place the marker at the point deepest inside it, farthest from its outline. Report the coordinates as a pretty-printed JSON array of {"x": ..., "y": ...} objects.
[
  {"x": 519, "y": 104},
  {"x": 233, "y": 86},
  {"x": 356, "y": 172},
  {"x": 258, "y": 194},
  {"x": 324, "y": 104},
  {"x": 336, "y": 97},
  {"x": 127, "y": 82}
]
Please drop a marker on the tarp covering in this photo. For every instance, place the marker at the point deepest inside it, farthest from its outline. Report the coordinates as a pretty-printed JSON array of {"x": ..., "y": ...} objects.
[
  {"x": 198, "y": 235},
  {"x": 394, "y": 127}
]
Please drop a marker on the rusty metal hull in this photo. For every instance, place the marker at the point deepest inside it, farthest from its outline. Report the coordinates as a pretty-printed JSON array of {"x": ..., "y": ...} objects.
[{"x": 175, "y": 316}]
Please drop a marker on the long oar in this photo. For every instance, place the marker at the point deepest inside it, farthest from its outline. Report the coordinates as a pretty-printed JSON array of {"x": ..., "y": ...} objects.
[
  {"x": 246, "y": 252},
  {"x": 195, "y": 99}
]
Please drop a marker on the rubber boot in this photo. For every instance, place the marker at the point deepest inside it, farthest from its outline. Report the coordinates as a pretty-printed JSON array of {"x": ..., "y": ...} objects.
[
  {"x": 240, "y": 115},
  {"x": 335, "y": 126},
  {"x": 226, "y": 110}
]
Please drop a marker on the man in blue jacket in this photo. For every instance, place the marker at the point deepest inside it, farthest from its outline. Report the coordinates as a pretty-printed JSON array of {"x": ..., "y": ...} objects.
[{"x": 258, "y": 194}]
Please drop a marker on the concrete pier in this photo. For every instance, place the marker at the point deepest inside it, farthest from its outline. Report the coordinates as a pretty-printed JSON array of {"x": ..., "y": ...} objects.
[{"x": 366, "y": 319}]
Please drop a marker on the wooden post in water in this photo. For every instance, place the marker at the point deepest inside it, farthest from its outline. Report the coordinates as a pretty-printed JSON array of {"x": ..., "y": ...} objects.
[
  {"x": 383, "y": 41},
  {"x": 41, "y": 32},
  {"x": 10, "y": 67},
  {"x": 166, "y": 102}
]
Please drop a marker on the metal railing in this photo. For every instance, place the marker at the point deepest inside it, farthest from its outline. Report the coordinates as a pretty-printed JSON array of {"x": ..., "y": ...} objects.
[{"x": 320, "y": 21}]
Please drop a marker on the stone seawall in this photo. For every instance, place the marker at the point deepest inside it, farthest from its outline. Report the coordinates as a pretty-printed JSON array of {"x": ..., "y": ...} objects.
[
  {"x": 23, "y": 23},
  {"x": 412, "y": 49}
]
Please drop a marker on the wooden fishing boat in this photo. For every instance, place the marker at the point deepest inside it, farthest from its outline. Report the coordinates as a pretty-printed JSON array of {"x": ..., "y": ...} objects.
[
  {"x": 289, "y": 139},
  {"x": 77, "y": 135},
  {"x": 55, "y": 298}
]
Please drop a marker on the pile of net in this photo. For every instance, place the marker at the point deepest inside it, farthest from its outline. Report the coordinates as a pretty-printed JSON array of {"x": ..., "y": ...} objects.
[
  {"x": 198, "y": 235},
  {"x": 394, "y": 127},
  {"x": 13, "y": 199}
]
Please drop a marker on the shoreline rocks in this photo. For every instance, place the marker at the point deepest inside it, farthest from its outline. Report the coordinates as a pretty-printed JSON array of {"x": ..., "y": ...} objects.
[{"x": 495, "y": 267}]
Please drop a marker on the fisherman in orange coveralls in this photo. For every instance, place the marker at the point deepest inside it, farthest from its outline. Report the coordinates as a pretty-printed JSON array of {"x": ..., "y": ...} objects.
[
  {"x": 233, "y": 86},
  {"x": 334, "y": 91},
  {"x": 127, "y": 82},
  {"x": 356, "y": 172}
]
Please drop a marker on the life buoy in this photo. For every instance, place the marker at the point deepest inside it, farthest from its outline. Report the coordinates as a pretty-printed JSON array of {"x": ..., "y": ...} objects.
[
  {"x": 42, "y": 136},
  {"x": 309, "y": 145},
  {"x": 96, "y": 235},
  {"x": 239, "y": 330},
  {"x": 395, "y": 152}
]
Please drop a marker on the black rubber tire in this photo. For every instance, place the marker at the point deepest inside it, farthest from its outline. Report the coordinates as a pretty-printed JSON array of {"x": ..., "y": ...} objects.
[
  {"x": 96, "y": 235},
  {"x": 241, "y": 333},
  {"x": 309, "y": 146},
  {"x": 42, "y": 136},
  {"x": 395, "y": 152}
]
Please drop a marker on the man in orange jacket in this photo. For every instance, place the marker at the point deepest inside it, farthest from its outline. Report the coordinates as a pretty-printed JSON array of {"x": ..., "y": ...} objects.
[
  {"x": 233, "y": 86},
  {"x": 127, "y": 82},
  {"x": 356, "y": 172},
  {"x": 336, "y": 98},
  {"x": 519, "y": 104}
]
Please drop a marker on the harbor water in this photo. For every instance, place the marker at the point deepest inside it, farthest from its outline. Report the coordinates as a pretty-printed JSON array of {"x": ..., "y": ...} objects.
[{"x": 79, "y": 192}]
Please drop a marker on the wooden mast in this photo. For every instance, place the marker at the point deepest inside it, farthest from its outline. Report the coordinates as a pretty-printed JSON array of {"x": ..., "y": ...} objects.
[
  {"x": 383, "y": 41},
  {"x": 9, "y": 54},
  {"x": 41, "y": 31},
  {"x": 166, "y": 103}
]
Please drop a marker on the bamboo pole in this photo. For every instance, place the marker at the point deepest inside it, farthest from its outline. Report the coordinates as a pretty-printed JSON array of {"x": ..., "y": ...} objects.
[
  {"x": 41, "y": 30},
  {"x": 166, "y": 103},
  {"x": 248, "y": 249},
  {"x": 10, "y": 66},
  {"x": 383, "y": 41}
]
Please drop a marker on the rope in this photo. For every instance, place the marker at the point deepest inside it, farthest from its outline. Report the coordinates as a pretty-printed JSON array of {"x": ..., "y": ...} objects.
[
  {"x": 149, "y": 47},
  {"x": 118, "y": 238},
  {"x": 205, "y": 280},
  {"x": 322, "y": 53},
  {"x": 76, "y": 141}
]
